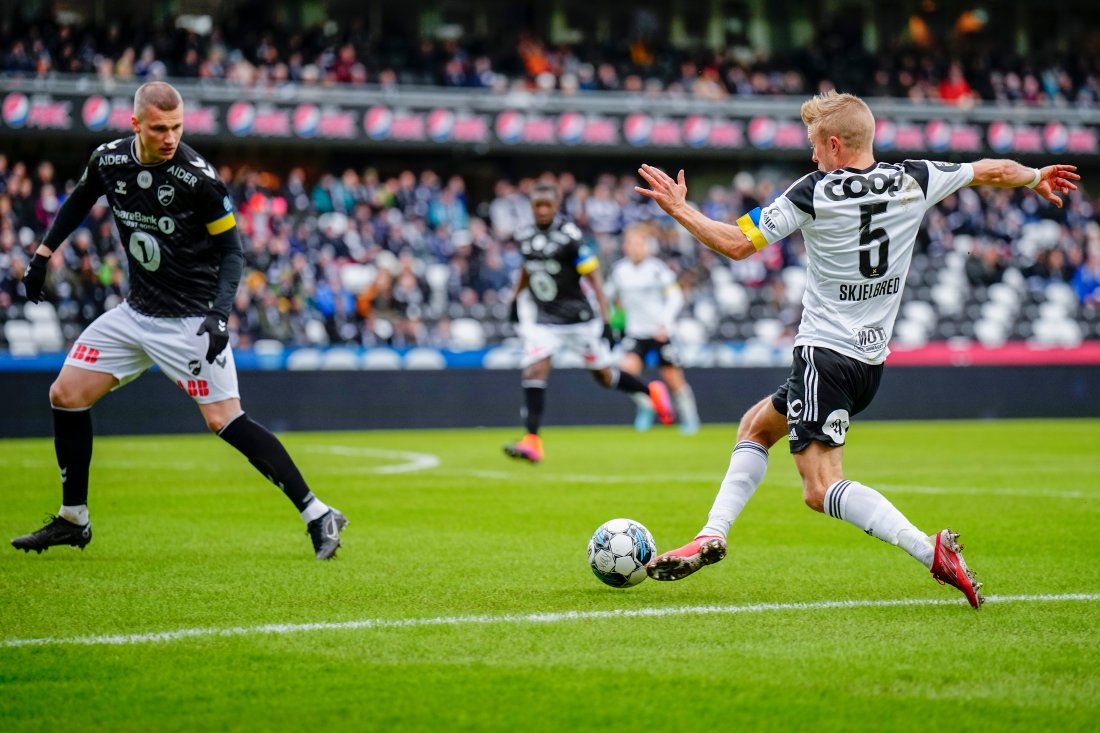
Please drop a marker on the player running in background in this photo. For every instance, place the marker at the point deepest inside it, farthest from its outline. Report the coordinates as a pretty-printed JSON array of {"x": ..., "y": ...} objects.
[
  {"x": 176, "y": 221},
  {"x": 859, "y": 219},
  {"x": 555, "y": 259},
  {"x": 649, "y": 295}
]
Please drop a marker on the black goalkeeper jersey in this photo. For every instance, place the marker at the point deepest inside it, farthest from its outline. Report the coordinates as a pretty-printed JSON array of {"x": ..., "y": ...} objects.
[
  {"x": 166, "y": 214},
  {"x": 555, "y": 258}
]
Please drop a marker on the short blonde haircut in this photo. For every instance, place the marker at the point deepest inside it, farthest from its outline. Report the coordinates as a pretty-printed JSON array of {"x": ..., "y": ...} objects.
[
  {"x": 157, "y": 94},
  {"x": 844, "y": 115}
]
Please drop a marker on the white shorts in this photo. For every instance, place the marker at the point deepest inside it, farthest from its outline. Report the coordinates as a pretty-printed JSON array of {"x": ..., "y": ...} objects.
[
  {"x": 541, "y": 340},
  {"x": 125, "y": 343}
]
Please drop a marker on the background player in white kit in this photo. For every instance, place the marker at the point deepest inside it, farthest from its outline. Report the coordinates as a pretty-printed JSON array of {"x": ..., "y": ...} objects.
[
  {"x": 184, "y": 254},
  {"x": 646, "y": 289},
  {"x": 859, "y": 219}
]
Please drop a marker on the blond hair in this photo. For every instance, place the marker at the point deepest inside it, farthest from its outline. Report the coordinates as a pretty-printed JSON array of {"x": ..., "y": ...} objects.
[
  {"x": 844, "y": 115},
  {"x": 157, "y": 94}
]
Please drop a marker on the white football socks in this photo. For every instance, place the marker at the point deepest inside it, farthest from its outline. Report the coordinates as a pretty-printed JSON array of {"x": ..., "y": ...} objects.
[
  {"x": 313, "y": 510},
  {"x": 685, "y": 405},
  {"x": 874, "y": 514},
  {"x": 748, "y": 464},
  {"x": 75, "y": 514}
]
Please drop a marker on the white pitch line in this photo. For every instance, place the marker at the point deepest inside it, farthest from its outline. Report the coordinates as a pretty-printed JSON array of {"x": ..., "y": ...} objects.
[
  {"x": 412, "y": 461},
  {"x": 157, "y": 637}
]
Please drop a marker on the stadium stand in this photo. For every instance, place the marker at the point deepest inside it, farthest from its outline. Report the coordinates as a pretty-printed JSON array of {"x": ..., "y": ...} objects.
[{"x": 365, "y": 263}]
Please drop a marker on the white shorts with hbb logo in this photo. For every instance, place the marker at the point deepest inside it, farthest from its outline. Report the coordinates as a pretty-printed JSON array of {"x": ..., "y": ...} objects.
[{"x": 125, "y": 343}]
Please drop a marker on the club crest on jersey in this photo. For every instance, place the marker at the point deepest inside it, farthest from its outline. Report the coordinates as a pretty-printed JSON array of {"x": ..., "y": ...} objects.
[
  {"x": 194, "y": 366},
  {"x": 165, "y": 194},
  {"x": 145, "y": 179}
]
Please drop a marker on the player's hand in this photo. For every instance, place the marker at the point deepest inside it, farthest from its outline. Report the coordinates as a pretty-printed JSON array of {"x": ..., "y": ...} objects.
[
  {"x": 670, "y": 195},
  {"x": 513, "y": 311},
  {"x": 35, "y": 277},
  {"x": 1054, "y": 180},
  {"x": 610, "y": 335},
  {"x": 214, "y": 325}
]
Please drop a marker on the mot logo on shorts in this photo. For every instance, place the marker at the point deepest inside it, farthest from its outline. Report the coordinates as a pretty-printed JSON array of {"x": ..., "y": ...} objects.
[{"x": 194, "y": 366}]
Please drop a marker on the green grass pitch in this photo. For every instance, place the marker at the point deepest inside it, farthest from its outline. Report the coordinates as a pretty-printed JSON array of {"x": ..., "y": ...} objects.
[{"x": 462, "y": 599}]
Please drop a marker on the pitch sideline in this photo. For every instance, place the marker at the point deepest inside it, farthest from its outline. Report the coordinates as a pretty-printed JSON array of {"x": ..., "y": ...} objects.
[{"x": 534, "y": 618}]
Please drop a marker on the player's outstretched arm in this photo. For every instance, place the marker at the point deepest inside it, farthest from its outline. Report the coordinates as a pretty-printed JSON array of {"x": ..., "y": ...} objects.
[
  {"x": 671, "y": 196},
  {"x": 1046, "y": 182}
]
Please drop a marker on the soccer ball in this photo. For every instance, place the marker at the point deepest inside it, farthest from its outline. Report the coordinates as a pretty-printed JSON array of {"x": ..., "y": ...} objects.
[{"x": 619, "y": 550}]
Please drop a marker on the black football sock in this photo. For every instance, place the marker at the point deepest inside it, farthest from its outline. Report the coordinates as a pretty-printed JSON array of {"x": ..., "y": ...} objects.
[
  {"x": 72, "y": 441},
  {"x": 629, "y": 383},
  {"x": 264, "y": 451},
  {"x": 534, "y": 397}
]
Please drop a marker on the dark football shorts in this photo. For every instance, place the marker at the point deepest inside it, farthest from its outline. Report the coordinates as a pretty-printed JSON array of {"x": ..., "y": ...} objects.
[
  {"x": 667, "y": 356},
  {"x": 823, "y": 392}
]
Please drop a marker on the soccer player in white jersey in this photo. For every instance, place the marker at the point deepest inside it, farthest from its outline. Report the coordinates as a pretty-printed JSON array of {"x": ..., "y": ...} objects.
[
  {"x": 651, "y": 298},
  {"x": 859, "y": 219}
]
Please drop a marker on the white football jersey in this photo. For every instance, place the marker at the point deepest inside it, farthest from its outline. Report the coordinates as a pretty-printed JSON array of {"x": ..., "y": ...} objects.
[
  {"x": 860, "y": 227},
  {"x": 648, "y": 294}
]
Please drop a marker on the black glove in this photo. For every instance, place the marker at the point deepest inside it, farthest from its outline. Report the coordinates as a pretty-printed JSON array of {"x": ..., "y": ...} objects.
[
  {"x": 35, "y": 277},
  {"x": 513, "y": 311},
  {"x": 214, "y": 324},
  {"x": 611, "y": 335}
]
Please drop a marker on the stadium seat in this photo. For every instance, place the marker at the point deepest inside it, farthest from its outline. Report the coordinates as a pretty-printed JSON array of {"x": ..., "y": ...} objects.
[
  {"x": 707, "y": 313},
  {"x": 425, "y": 358},
  {"x": 991, "y": 333},
  {"x": 316, "y": 333},
  {"x": 691, "y": 332},
  {"x": 467, "y": 334},
  {"x": 340, "y": 359},
  {"x": 769, "y": 330},
  {"x": 43, "y": 312},
  {"x": 357, "y": 278},
  {"x": 48, "y": 337},
  {"x": 758, "y": 354},
  {"x": 380, "y": 358},
  {"x": 304, "y": 360},
  {"x": 732, "y": 298},
  {"x": 794, "y": 283},
  {"x": 20, "y": 337},
  {"x": 910, "y": 334},
  {"x": 503, "y": 357}
]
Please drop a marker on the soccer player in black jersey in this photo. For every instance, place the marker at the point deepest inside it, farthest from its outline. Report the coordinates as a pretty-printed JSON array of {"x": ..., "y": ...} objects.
[
  {"x": 176, "y": 222},
  {"x": 555, "y": 259}
]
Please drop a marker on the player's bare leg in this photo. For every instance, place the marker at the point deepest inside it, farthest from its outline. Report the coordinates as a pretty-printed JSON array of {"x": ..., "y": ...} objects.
[
  {"x": 71, "y": 397},
  {"x": 265, "y": 451},
  {"x": 760, "y": 428},
  {"x": 826, "y": 490},
  {"x": 684, "y": 398},
  {"x": 529, "y": 447}
]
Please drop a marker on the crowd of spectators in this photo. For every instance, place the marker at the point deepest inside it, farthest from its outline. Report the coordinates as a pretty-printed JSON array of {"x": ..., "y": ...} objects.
[
  {"x": 423, "y": 253},
  {"x": 282, "y": 59}
]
